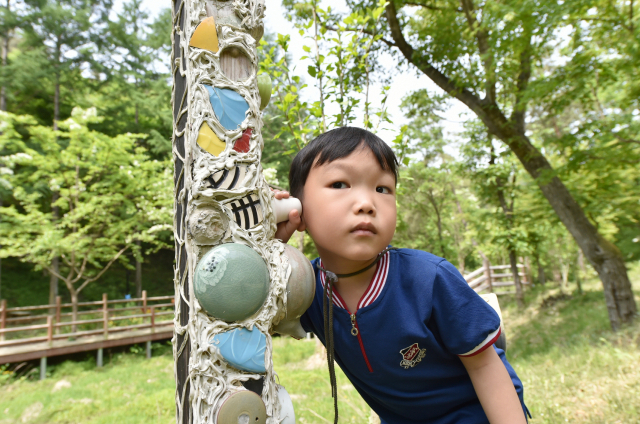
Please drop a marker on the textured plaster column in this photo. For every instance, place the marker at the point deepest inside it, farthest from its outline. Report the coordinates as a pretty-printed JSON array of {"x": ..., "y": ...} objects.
[{"x": 221, "y": 200}]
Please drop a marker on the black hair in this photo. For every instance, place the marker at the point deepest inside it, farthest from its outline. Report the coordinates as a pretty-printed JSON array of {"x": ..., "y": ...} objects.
[{"x": 336, "y": 144}]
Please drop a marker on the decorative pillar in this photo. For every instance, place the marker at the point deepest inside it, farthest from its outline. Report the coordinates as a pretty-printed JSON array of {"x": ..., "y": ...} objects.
[{"x": 234, "y": 284}]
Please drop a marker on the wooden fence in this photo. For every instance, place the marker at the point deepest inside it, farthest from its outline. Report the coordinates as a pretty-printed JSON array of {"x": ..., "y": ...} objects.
[
  {"x": 46, "y": 330},
  {"x": 492, "y": 278}
]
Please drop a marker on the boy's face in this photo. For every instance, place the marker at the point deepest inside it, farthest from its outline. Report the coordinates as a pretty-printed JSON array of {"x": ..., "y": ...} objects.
[{"x": 349, "y": 209}]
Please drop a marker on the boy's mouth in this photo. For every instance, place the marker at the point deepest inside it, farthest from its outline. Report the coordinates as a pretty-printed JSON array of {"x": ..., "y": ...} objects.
[{"x": 364, "y": 228}]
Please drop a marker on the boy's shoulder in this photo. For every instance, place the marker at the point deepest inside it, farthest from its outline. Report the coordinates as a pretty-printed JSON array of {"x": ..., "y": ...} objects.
[{"x": 412, "y": 260}]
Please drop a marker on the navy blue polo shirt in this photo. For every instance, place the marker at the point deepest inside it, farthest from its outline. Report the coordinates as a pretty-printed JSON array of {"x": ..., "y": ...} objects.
[{"x": 414, "y": 320}]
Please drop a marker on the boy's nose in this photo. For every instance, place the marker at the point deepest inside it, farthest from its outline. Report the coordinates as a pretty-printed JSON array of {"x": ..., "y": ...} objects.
[{"x": 364, "y": 204}]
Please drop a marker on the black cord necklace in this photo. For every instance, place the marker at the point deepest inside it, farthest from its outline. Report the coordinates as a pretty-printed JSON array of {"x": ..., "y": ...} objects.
[
  {"x": 333, "y": 277},
  {"x": 327, "y": 312}
]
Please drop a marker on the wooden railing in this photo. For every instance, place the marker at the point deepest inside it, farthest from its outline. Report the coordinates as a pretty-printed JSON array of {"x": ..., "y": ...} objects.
[
  {"x": 486, "y": 278},
  {"x": 48, "y": 323}
]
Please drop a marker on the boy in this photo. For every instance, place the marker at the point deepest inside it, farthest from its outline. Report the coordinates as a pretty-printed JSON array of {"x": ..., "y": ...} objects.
[{"x": 413, "y": 338}]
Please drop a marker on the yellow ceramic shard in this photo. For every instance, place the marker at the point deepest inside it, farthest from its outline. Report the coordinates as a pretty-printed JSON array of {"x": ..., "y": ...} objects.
[
  {"x": 209, "y": 141},
  {"x": 205, "y": 36}
]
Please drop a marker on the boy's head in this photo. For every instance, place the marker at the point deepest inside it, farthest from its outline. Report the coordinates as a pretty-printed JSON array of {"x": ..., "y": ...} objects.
[
  {"x": 336, "y": 144},
  {"x": 346, "y": 180}
]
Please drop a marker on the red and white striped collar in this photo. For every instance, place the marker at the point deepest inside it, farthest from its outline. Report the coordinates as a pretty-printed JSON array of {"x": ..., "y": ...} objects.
[{"x": 373, "y": 290}]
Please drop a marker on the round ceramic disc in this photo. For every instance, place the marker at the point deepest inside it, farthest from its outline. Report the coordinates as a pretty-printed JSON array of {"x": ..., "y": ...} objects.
[{"x": 243, "y": 407}]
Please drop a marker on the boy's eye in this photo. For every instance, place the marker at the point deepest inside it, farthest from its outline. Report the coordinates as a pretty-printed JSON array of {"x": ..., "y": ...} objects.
[
  {"x": 383, "y": 190},
  {"x": 339, "y": 184}
]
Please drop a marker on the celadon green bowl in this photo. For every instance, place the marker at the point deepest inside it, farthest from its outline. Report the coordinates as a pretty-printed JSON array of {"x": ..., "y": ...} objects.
[{"x": 231, "y": 282}]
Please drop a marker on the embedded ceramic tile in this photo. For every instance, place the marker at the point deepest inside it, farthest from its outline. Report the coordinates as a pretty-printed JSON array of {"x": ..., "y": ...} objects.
[
  {"x": 243, "y": 407},
  {"x": 228, "y": 179},
  {"x": 229, "y": 106},
  {"x": 242, "y": 348},
  {"x": 209, "y": 141},
  {"x": 231, "y": 282},
  {"x": 205, "y": 36},
  {"x": 243, "y": 144},
  {"x": 247, "y": 211}
]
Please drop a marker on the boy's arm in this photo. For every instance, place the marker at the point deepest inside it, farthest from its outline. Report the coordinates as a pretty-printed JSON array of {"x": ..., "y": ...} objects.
[{"x": 494, "y": 388}]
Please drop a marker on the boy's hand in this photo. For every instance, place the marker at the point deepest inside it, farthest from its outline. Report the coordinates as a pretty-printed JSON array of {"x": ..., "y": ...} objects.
[{"x": 287, "y": 228}]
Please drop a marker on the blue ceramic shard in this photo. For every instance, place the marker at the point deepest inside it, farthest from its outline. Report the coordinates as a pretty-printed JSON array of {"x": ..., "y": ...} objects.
[
  {"x": 242, "y": 348},
  {"x": 230, "y": 107}
]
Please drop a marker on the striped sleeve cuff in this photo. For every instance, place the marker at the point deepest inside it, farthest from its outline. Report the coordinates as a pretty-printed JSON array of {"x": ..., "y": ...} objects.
[{"x": 491, "y": 339}]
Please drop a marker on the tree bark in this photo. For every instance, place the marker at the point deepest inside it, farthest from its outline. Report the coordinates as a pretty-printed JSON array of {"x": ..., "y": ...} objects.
[
  {"x": 507, "y": 209},
  {"x": 541, "y": 277},
  {"x": 513, "y": 261},
  {"x": 433, "y": 202},
  {"x": 603, "y": 255},
  {"x": 56, "y": 105},
  {"x": 56, "y": 94},
  {"x": 74, "y": 309},
  {"x": 5, "y": 55},
  {"x": 138, "y": 275},
  {"x": 55, "y": 262},
  {"x": 1, "y": 204}
]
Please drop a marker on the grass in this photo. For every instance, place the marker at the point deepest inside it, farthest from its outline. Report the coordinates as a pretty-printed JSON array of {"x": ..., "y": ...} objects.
[{"x": 574, "y": 369}]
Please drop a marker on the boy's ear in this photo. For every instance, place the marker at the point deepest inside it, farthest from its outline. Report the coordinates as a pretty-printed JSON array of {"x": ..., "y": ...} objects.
[{"x": 303, "y": 225}]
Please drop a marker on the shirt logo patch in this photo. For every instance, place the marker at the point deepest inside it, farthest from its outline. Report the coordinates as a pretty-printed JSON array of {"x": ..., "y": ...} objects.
[{"x": 411, "y": 356}]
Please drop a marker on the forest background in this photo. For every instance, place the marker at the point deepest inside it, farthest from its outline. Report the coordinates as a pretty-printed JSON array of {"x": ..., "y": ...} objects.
[{"x": 545, "y": 171}]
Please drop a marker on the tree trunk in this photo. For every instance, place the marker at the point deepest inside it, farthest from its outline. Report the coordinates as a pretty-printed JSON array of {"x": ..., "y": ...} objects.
[
  {"x": 557, "y": 276},
  {"x": 74, "y": 309},
  {"x": 541, "y": 278},
  {"x": 1, "y": 260},
  {"x": 432, "y": 200},
  {"x": 5, "y": 54},
  {"x": 56, "y": 104},
  {"x": 578, "y": 276},
  {"x": 605, "y": 257},
  {"x": 513, "y": 261},
  {"x": 138, "y": 275},
  {"x": 55, "y": 262},
  {"x": 53, "y": 283},
  {"x": 461, "y": 264},
  {"x": 564, "y": 270}
]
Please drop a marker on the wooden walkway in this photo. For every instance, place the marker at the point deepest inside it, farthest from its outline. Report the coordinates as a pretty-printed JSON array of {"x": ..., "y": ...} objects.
[
  {"x": 28, "y": 352},
  {"x": 487, "y": 279},
  {"x": 39, "y": 332}
]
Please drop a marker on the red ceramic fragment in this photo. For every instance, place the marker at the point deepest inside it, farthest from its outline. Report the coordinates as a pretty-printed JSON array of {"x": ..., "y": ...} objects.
[{"x": 242, "y": 144}]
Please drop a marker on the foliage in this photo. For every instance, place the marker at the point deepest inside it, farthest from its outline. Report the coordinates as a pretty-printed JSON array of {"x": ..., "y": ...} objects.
[{"x": 110, "y": 196}]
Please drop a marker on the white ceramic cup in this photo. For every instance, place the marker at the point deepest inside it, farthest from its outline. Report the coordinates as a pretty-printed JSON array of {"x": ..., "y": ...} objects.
[{"x": 282, "y": 207}]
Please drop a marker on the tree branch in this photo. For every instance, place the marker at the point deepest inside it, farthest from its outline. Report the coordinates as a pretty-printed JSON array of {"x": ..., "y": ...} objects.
[
  {"x": 81, "y": 271},
  {"x": 430, "y": 7},
  {"x": 524, "y": 75},
  {"x": 57, "y": 274},
  {"x": 463, "y": 94},
  {"x": 90, "y": 280},
  {"x": 396, "y": 31},
  {"x": 366, "y": 31},
  {"x": 629, "y": 140},
  {"x": 483, "y": 48}
]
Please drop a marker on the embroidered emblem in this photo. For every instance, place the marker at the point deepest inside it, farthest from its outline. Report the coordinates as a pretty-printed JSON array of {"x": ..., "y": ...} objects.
[{"x": 411, "y": 356}]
